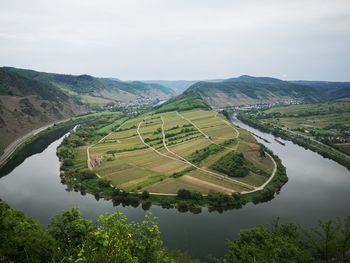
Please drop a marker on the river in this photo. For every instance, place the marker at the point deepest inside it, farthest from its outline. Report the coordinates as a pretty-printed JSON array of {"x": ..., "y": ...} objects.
[{"x": 317, "y": 189}]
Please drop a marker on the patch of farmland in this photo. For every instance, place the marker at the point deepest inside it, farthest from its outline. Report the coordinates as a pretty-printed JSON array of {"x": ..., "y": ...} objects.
[
  {"x": 80, "y": 158},
  {"x": 138, "y": 184},
  {"x": 187, "y": 148},
  {"x": 252, "y": 155},
  {"x": 120, "y": 145},
  {"x": 253, "y": 179},
  {"x": 223, "y": 132},
  {"x": 171, "y": 186},
  {"x": 154, "y": 162},
  {"x": 121, "y": 134},
  {"x": 198, "y": 114},
  {"x": 220, "y": 181},
  {"x": 173, "y": 120}
]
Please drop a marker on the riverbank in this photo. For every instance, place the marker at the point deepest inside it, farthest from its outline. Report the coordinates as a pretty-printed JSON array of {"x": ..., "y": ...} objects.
[{"x": 318, "y": 147}]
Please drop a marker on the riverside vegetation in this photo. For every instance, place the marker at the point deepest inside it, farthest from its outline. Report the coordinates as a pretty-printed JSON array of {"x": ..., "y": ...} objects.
[
  {"x": 72, "y": 238},
  {"x": 323, "y": 128},
  {"x": 186, "y": 159}
]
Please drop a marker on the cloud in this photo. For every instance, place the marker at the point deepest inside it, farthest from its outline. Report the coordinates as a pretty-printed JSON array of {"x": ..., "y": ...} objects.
[{"x": 192, "y": 39}]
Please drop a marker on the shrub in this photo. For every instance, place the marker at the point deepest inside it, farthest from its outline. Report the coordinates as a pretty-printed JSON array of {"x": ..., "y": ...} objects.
[
  {"x": 104, "y": 182},
  {"x": 189, "y": 195},
  {"x": 232, "y": 164},
  {"x": 145, "y": 195}
]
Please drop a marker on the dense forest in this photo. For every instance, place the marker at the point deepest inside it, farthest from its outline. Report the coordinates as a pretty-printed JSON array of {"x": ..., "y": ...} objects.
[{"x": 70, "y": 237}]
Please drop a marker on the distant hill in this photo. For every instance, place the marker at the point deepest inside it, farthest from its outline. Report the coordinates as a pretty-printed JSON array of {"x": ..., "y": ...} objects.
[
  {"x": 248, "y": 90},
  {"x": 331, "y": 90},
  {"x": 178, "y": 86},
  {"x": 27, "y": 104},
  {"x": 99, "y": 91}
]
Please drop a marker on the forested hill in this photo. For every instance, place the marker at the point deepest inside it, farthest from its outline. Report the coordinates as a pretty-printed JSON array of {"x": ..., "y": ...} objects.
[
  {"x": 331, "y": 90},
  {"x": 247, "y": 90},
  {"x": 27, "y": 104}
]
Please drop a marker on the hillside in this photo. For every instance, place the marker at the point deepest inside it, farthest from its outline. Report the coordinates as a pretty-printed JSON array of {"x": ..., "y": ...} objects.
[
  {"x": 332, "y": 90},
  {"x": 27, "y": 104},
  {"x": 98, "y": 91},
  {"x": 246, "y": 90},
  {"x": 186, "y": 101}
]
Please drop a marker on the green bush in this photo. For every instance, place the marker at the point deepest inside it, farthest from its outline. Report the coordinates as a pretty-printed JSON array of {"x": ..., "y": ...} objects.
[{"x": 233, "y": 164}]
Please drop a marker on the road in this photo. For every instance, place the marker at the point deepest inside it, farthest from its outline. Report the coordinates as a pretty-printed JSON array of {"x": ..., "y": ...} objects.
[{"x": 10, "y": 149}]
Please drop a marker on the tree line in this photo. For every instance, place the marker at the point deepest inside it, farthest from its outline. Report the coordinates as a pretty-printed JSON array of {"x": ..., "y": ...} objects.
[{"x": 70, "y": 237}]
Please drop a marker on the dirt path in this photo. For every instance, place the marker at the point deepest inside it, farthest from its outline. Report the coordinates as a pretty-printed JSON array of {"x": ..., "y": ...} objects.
[{"x": 261, "y": 187}]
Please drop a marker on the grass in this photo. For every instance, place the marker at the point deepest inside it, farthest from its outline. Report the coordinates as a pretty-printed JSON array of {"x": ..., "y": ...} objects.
[
  {"x": 344, "y": 147},
  {"x": 113, "y": 125}
]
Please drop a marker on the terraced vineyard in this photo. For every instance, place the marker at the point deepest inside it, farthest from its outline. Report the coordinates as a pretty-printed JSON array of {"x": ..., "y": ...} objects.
[{"x": 165, "y": 152}]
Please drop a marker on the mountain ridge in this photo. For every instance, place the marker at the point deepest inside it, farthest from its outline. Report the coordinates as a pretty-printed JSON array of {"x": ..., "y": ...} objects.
[{"x": 247, "y": 90}]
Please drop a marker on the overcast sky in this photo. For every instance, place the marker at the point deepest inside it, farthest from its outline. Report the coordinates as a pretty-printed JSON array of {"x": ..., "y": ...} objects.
[{"x": 179, "y": 39}]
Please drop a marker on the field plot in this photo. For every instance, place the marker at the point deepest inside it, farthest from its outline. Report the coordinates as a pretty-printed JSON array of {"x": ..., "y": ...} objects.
[{"x": 165, "y": 152}]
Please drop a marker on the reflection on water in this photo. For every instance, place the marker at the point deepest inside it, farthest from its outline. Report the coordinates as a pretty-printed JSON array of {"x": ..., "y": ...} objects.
[{"x": 317, "y": 189}]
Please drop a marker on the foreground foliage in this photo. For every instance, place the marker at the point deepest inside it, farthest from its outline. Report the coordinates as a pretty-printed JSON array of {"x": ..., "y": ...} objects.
[{"x": 71, "y": 238}]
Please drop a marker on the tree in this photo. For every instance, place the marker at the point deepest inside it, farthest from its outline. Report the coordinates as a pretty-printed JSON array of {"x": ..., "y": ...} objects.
[
  {"x": 261, "y": 244},
  {"x": 70, "y": 230},
  {"x": 115, "y": 240},
  {"x": 22, "y": 239},
  {"x": 237, "y": 196},
  {"x": 145, "y": 195},
  {"x": 261, "y": 152}
]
